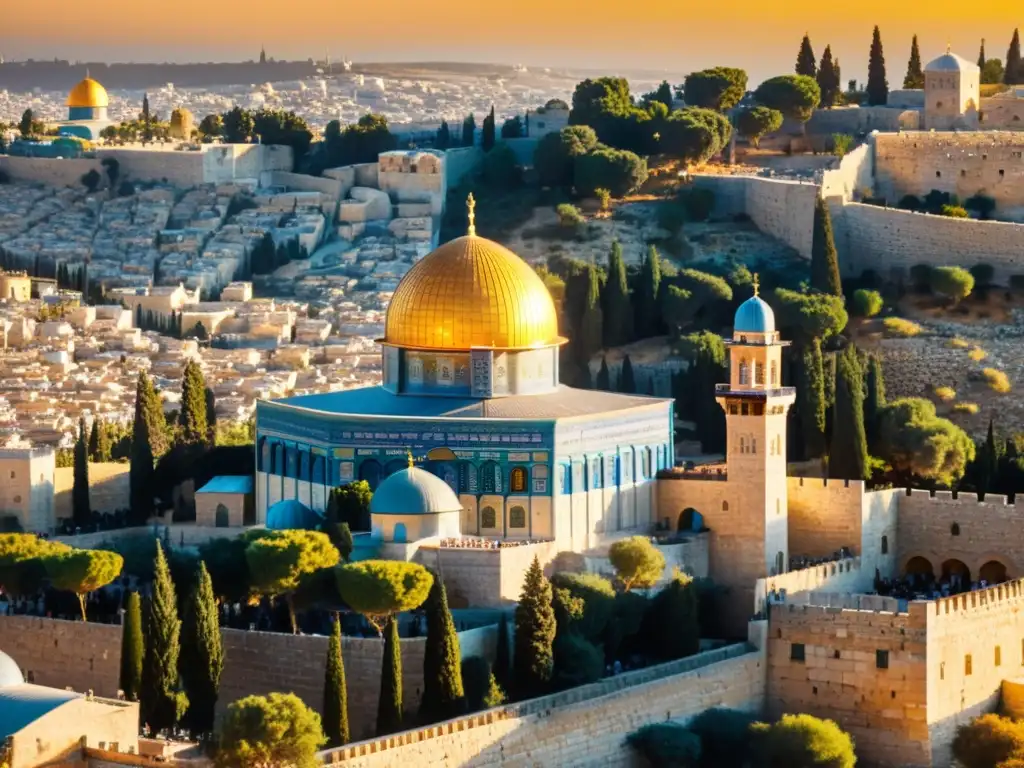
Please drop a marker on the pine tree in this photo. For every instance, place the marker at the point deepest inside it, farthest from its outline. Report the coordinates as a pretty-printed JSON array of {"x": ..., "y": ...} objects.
[
  {"x": 915, "y": 77},
  {"x": 162, "y": 702},
  {"x": 202, "y": 655},
  {"x": 149, "y": 406},
  {"x": 981, "y": 55},
  {"x": 627, "y": 378},
  {"x": 192, "y": 418},
  {"x": 132, "y": 649},
  {"x": 443, "y": 696},
  {"x": 1013, "y": 74},
  {"x": 805, "y": 59},
  {"x": 487, "y": 137},
  {"x": 604, "y": 377},
  {"x": 444, "y": 136},
  {"x": 211, "y": 416},
  {"x": 140, "y": 470},
  {"x": 811, "y": 396},
  {"x": 828, "y": 79},
  {"x": 335, "y": 709},
  {"x": 874, "y": 399},
  {"x": 147, "y": 124},
  {"x": 80, "y": 509},
  {"x": 502, "y": 657},
  {"x": 592, "y": 324},
  {"x": 469, "y": 131},
  {"x": 535, "y": 634},
  {"x": 878, "y": 86},
  {"x": 988, "y": 461},
  {"x": 848, "y": 458},
  {"x": 389, "y": 707},
  {"x": 824, "y": 259},
  {"x": 646, "y": 304},
  {"x": 618, "y": 312}
]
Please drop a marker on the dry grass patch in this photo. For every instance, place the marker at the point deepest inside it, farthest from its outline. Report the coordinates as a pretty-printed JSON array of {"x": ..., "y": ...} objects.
[
  {"x": 971, "y": 408},
  {"x": 945, "y": 394},
  {"x": 977, "y": 354},
  {"x": 997, "y": 380},
  {"x": 958, "y": 343},
  {"x": 904, "y": 329}
]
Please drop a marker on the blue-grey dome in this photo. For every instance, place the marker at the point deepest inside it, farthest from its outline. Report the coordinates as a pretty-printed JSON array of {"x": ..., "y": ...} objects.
[
  {"x": 10, "y": 674},
  {"x": 754, "y": 316},
  {"x": 414, "y": 491},
  {"x": 292, "y": 515}
]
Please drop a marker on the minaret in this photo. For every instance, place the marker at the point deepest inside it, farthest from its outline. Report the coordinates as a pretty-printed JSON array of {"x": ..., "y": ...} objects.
[{"x": 756, "y": 404}]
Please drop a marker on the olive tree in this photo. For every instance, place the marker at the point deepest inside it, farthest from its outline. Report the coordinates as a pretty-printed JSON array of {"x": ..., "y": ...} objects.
[
  {"x": 955, "y": 283},
  {"x": 82, "y": 571},
  {"x": 755, "y": 122},
  {"x": 637, "y": 562},
  {"x": 378, "y": 589},
  {"x": 795, "y": 96}
]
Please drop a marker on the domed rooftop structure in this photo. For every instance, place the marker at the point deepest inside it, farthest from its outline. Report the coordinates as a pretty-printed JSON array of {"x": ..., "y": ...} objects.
[
  {"x": 414, "y": 491},
  {"x": 754, "y": 315},
  {"x": 472, "y": 292},
  {"x": 88, "y": 94},
  {"x": 10, "y": 673},
  {"x": 950, "y": 62},
  {"x": 292, "y": 515}
]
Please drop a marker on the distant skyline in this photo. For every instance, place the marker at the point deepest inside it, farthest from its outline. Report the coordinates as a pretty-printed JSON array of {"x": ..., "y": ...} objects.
[{"x": 672, "y": 37}]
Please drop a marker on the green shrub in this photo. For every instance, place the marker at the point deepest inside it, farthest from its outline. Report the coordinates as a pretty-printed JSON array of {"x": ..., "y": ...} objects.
[
  {"x": 900, "y": 328},
  {"x": 620, "y": 637},
  {"x": 671, "y": 215},
  {"x": 577, "y": 662},
  {"x": 977, "y": 354},
  {"x": 481, "y": 689},
  {"x": 956, "y": 283},
  {"x": 667, "y": 744},
  {"x": 954, "y": 212},
  {"x": 997, "y": 380},
  {"x": 910, "y": 203},
  {"x": 724, "y": 737},
  {"x": 983, "y": 274},
  {"x": 945, "y": 394},
  {"x": 620, "y": 172},
  {"x": 988, "y": 741},
  {"x": 598, "y": 596},
  {"x": 971, "y": 408},
  {"x": 841, "y": 143},
  {"x": 983, "y": 205},
  {"x": 569, "y": 215},
  {"x": 803, "y": 741},
  {"x": 867, "y": 303},
  {"x": 604, "y": 197},
  {"x": 698, "y": 203}
]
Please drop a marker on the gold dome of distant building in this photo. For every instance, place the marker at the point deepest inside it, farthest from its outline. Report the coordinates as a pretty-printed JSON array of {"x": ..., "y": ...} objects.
[
  {"x": 472, "y": 292},
  {"x": 88, "y": 94}
]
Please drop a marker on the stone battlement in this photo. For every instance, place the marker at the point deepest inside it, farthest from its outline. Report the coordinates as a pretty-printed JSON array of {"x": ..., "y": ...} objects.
[
  {"x": 998, "y": 597},
  {"x": 820, "y": 611},
  {"x": 990, "y": 500},
  {"x": 823, "y": 482}
]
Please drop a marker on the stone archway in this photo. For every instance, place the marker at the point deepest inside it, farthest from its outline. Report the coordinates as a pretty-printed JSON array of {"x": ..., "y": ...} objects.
[
  {"x": 222, "y": 518},
  {"x": 956, "y": 573},
  {"x": 690, "y": 520},
  {"x": 992, "y": 572},
  {"x": 919, "y": 566}
]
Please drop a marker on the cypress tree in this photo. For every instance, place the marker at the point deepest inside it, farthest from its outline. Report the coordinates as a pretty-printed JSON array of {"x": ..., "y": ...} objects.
[
  {"x": 878, "y": 86},
  {"x": 981, "y": 55},
  {"x": 487, "y": 137},
  {"x": 444, "y": 136},
  {"x": 202, "y": 655},
  {"x": 824, "y": 259},
  {"x": 915, "y": 77},
  {"x": 805, "y": 58},
  {"x": 132, "y": 650},
  {"x": 140, "y": 470},
  {"x": 988, "y": 461},
  {"x": 469, "y": 131},
  {"x": 94, "y": 441},
  {"x": 192, "y": 418},
  {"x": 211, "y": 416},
  {"x": 604, "y": 379},
  {"x": 80, "y": 509},
  {"x": 828, "y": 79},
  {"x": 592, "y": 324},
  {"x": 162, "y": 703},
  {"x": 535, "y": 634},
  {"x": 874, "y": 399},
  {"x": 443, "y": 695},
  {"x": 627, "y": 379},
  {"x": 335, "y": 709},
  {"x": 502, "y": 657},
  {"x": 1013, "y": 74},
  {"x": 811, "y": 401},
  {"x": 149, "y": 406},
  {"x": 646, "y": 304},
  {"x": 389, "y": 707},
  {"x": 848, "y": 458},
  {"x": 618, "y": 312}
]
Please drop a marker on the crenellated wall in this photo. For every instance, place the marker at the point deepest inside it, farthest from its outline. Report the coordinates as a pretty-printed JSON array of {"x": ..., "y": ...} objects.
[{"x": 843, "y": 576}]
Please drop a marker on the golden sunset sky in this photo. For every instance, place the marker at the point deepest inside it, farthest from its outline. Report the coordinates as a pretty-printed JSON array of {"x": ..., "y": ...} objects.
[{"x": 676, "y": 36}]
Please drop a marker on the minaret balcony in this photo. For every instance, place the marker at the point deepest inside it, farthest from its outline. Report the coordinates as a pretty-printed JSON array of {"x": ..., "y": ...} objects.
[{"x": 726, "y": 390}]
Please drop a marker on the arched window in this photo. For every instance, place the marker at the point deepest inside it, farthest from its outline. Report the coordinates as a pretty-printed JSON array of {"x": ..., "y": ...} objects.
[
  {"x": 596, "y": 474},
  {"x": 371, "y": 471},
  {"x": 517, "y": 517},
  {"x": 399, "y": 534},
  {"x": 759, "y": 374},
  {"x": 488, "y": 518},
  {"x": 725, "y": 506},
  {"x": 645, "y": 464},
  {"x": 744, "y": 372},
  {"x": 609, "y": 471},
  {"x": 564, "y": 479},
  {"x": 626, "y": 466},
  {"x": 490, "y": 478},
  {"x": 447, "y": 473},
  {"x": 467, "y": 477},
  {"x": 774, "y": 374},
  {"x": 517, "y": 480},
  {"x": 743, "y": 444},
  {"x": 221, "y": 517},
  {"x": 753, "y": 445},
  {"x": 265, "y": 455},
  {"x": 317, "y": 474},
  {"x": 540, "y": 479},
  {"x": 954, "y": 529}
]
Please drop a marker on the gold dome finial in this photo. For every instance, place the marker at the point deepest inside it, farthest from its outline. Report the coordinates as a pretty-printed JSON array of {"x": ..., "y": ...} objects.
[
  {"x": 412, "y": 461},
  {"x": 948, "y": 47},
  {"x": 471, "y": 207},
  {"x": 757, "y": 285}
]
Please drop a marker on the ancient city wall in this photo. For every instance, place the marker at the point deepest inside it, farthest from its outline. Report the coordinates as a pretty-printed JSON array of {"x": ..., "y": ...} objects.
[
  {"x": 88, "y": 657},
  {"x": 864, "y": 669},
  {"x": 975, "y": 641},
  {"x": 582, "y": 726},
  {"x": 945, "y": 527},
  {"x": 962, "y": 163},
  {"x": 824, "y": 516},
  {"x": 49, "y": 171},
  {"x": 108, "y": 488},
  {"x": 854, "y": 174},
  {"x": 844, "y": 576},
  {"x": 854, "y": 120}
]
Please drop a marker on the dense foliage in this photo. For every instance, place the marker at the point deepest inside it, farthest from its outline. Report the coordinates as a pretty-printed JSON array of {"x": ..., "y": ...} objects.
[
  {"x": 273, "y": 730},
  {"x": 795, "y": 96}
]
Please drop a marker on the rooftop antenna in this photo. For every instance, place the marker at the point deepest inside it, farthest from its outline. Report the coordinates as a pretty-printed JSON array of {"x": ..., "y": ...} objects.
[{"x": 471, "y": 206}]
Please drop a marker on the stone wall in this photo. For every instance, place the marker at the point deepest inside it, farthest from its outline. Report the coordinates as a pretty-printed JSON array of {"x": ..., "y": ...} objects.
[
  {"x": 854, "y": 174},
  {"x": 485, "y": 578},
  {"x": 947, "y": 527},
  {"x": 87, "y": 657},
  {"x": 582, "y": 726},
  {"x": 179, "y": 534},
  {"x": 50, "y": 171},
  {"x": 1002, "y": 111},
  {"x": 333, "y": 188},
  {"x": 108, "y": 488},
  {"x": 828, "y": 662},
  {"x": 857, "y": 120},
  {"x": 843, "y": 576},
  {"x": 461, "y": 163},
  {"x": 824, "y": 516}
]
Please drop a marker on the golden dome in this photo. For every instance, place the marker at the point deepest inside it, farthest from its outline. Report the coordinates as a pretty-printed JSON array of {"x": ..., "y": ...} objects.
[
  {"x": 88, "y": 94},
  {"x": 472, "y": 292}
]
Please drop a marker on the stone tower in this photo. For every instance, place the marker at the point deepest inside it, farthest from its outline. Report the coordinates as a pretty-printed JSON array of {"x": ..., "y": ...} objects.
[
  {"x": 952, "y": 87},
  {"x": 756, "y": 404}
]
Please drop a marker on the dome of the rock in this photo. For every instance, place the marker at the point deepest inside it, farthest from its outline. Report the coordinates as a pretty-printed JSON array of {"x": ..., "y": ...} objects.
[{"x": 88, "y": 94}]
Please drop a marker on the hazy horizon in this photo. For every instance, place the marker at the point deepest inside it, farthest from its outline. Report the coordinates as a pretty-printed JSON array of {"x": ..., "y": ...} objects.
[{"x": 656, "y": 36}]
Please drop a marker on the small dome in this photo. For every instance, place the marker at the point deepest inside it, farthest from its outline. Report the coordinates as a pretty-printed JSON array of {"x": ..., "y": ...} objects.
[
  {"x": 950, "y": 62},
  {"x": 754, "y": 316},
  {"x": 10, "y": 673},
  {"x": 88, "y": 94},
  {"x": 292, "y": 515},
  {"x": 414, "y": 491}
]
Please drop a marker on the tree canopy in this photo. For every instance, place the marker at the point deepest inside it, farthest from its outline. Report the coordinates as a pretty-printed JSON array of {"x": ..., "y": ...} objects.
[
  {"x": 618, "y": 171},
  {"x": 637, "y": 562},
  {"x": 917, "y": 443},
  {"x": 878, "y": 86},
  {"x": 360, "y": 142},
  {"x": 955, "y": 283},
  {"x": 795, "y": 96},
  {"x": 695, "y": 135},
  {"x": 269, "y": 731},
  {"x": 755, "y": 122},
  {"x": 379, "y": 589},
  {"x": 82, "y": 571},
  {"x": 22, "y": 561},
  {"x": 556, "y": 153},
  {"x": 809, "y": 315},
  {"x": 803, "y": 741},
  {"x": 718, "y": 88}
]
